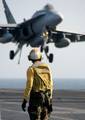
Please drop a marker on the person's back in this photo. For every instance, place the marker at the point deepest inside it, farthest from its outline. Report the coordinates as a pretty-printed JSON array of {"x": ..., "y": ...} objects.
[{"x": 42, "y": 77}]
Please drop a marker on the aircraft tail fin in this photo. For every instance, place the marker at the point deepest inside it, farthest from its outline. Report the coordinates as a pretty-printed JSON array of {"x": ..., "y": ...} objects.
[{"x": 9, "y": 16}]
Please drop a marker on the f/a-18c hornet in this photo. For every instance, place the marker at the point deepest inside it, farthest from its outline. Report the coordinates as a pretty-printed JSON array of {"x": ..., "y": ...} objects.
[{"x": 38, "y": 31}]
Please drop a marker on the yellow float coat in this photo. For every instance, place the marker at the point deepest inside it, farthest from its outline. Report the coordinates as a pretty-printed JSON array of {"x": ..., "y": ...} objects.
[{"x": 39, "y": 78}]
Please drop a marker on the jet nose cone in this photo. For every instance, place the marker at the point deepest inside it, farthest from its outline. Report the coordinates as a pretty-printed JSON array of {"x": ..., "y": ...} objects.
[
  {"x": 61, "y": 17},
  {"x": 58, "y": 17}
]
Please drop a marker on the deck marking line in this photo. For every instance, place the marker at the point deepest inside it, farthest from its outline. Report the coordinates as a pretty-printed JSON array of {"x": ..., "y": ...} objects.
[{"x": 0, "y": 115}]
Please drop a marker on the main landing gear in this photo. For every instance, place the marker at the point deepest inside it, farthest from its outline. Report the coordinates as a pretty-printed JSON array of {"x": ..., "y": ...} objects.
[
  {"x": 49, "y": 56},
  {"x": 12, "y": 54}
]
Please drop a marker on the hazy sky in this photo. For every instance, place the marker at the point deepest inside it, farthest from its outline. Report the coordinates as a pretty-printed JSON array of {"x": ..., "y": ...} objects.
[{"x": 68, "y": 62}]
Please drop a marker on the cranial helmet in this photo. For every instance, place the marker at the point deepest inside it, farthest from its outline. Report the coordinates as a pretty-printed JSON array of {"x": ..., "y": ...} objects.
[{"x": 35, "y": 54}]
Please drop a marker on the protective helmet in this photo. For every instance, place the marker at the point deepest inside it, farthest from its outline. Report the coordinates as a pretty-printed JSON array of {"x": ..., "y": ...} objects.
[{"x": 35, "y": 54}]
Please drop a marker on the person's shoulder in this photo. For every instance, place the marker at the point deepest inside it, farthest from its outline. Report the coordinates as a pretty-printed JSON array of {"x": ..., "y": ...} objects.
[
  {"x": 45, "y": 65},
  {"x": 30, "y": 68}
]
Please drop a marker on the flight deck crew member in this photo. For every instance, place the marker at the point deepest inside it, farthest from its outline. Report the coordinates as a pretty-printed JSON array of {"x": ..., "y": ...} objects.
[{"x": 39, "y": 88}]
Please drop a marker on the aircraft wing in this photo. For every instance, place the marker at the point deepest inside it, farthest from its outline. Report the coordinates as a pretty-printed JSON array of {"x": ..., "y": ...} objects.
[
  {"x": 74, "y": 37},
  {"x": 8, "y": 26}
]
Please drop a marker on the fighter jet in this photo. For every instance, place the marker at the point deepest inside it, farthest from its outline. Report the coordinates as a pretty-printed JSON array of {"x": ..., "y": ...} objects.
[{"x": 38, "y": 31}]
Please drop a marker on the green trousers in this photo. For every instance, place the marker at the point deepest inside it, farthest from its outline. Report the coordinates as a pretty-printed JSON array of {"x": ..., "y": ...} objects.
[{"x": 38, "y": 107}]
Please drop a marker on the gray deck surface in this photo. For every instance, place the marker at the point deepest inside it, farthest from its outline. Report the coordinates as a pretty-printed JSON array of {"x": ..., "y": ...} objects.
[{"x": 66, "y": 106}]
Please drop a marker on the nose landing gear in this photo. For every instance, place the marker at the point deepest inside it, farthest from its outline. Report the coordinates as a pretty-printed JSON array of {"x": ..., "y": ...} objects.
[{"x": 49, "y": 56}]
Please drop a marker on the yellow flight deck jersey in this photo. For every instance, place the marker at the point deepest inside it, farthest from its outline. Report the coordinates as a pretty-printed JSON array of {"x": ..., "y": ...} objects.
[{"x": 39, "y": 78}]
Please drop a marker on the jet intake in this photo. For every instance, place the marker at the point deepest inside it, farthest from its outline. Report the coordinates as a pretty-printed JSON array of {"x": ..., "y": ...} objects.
[
  {"x": 37, "y": 41},
  {"x": 63, "y": 42},
  {"x": 25, "y": 31},
  {"x": 6, "y": 37}
]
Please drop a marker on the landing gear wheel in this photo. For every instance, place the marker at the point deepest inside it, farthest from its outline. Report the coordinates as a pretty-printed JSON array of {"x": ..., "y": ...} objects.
[
  {"x": 41, "y": 49},
  {"x": 50, "y": 57},
  {"x": 46, "y": 49},
  {"x": 11, "y": 55}
]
